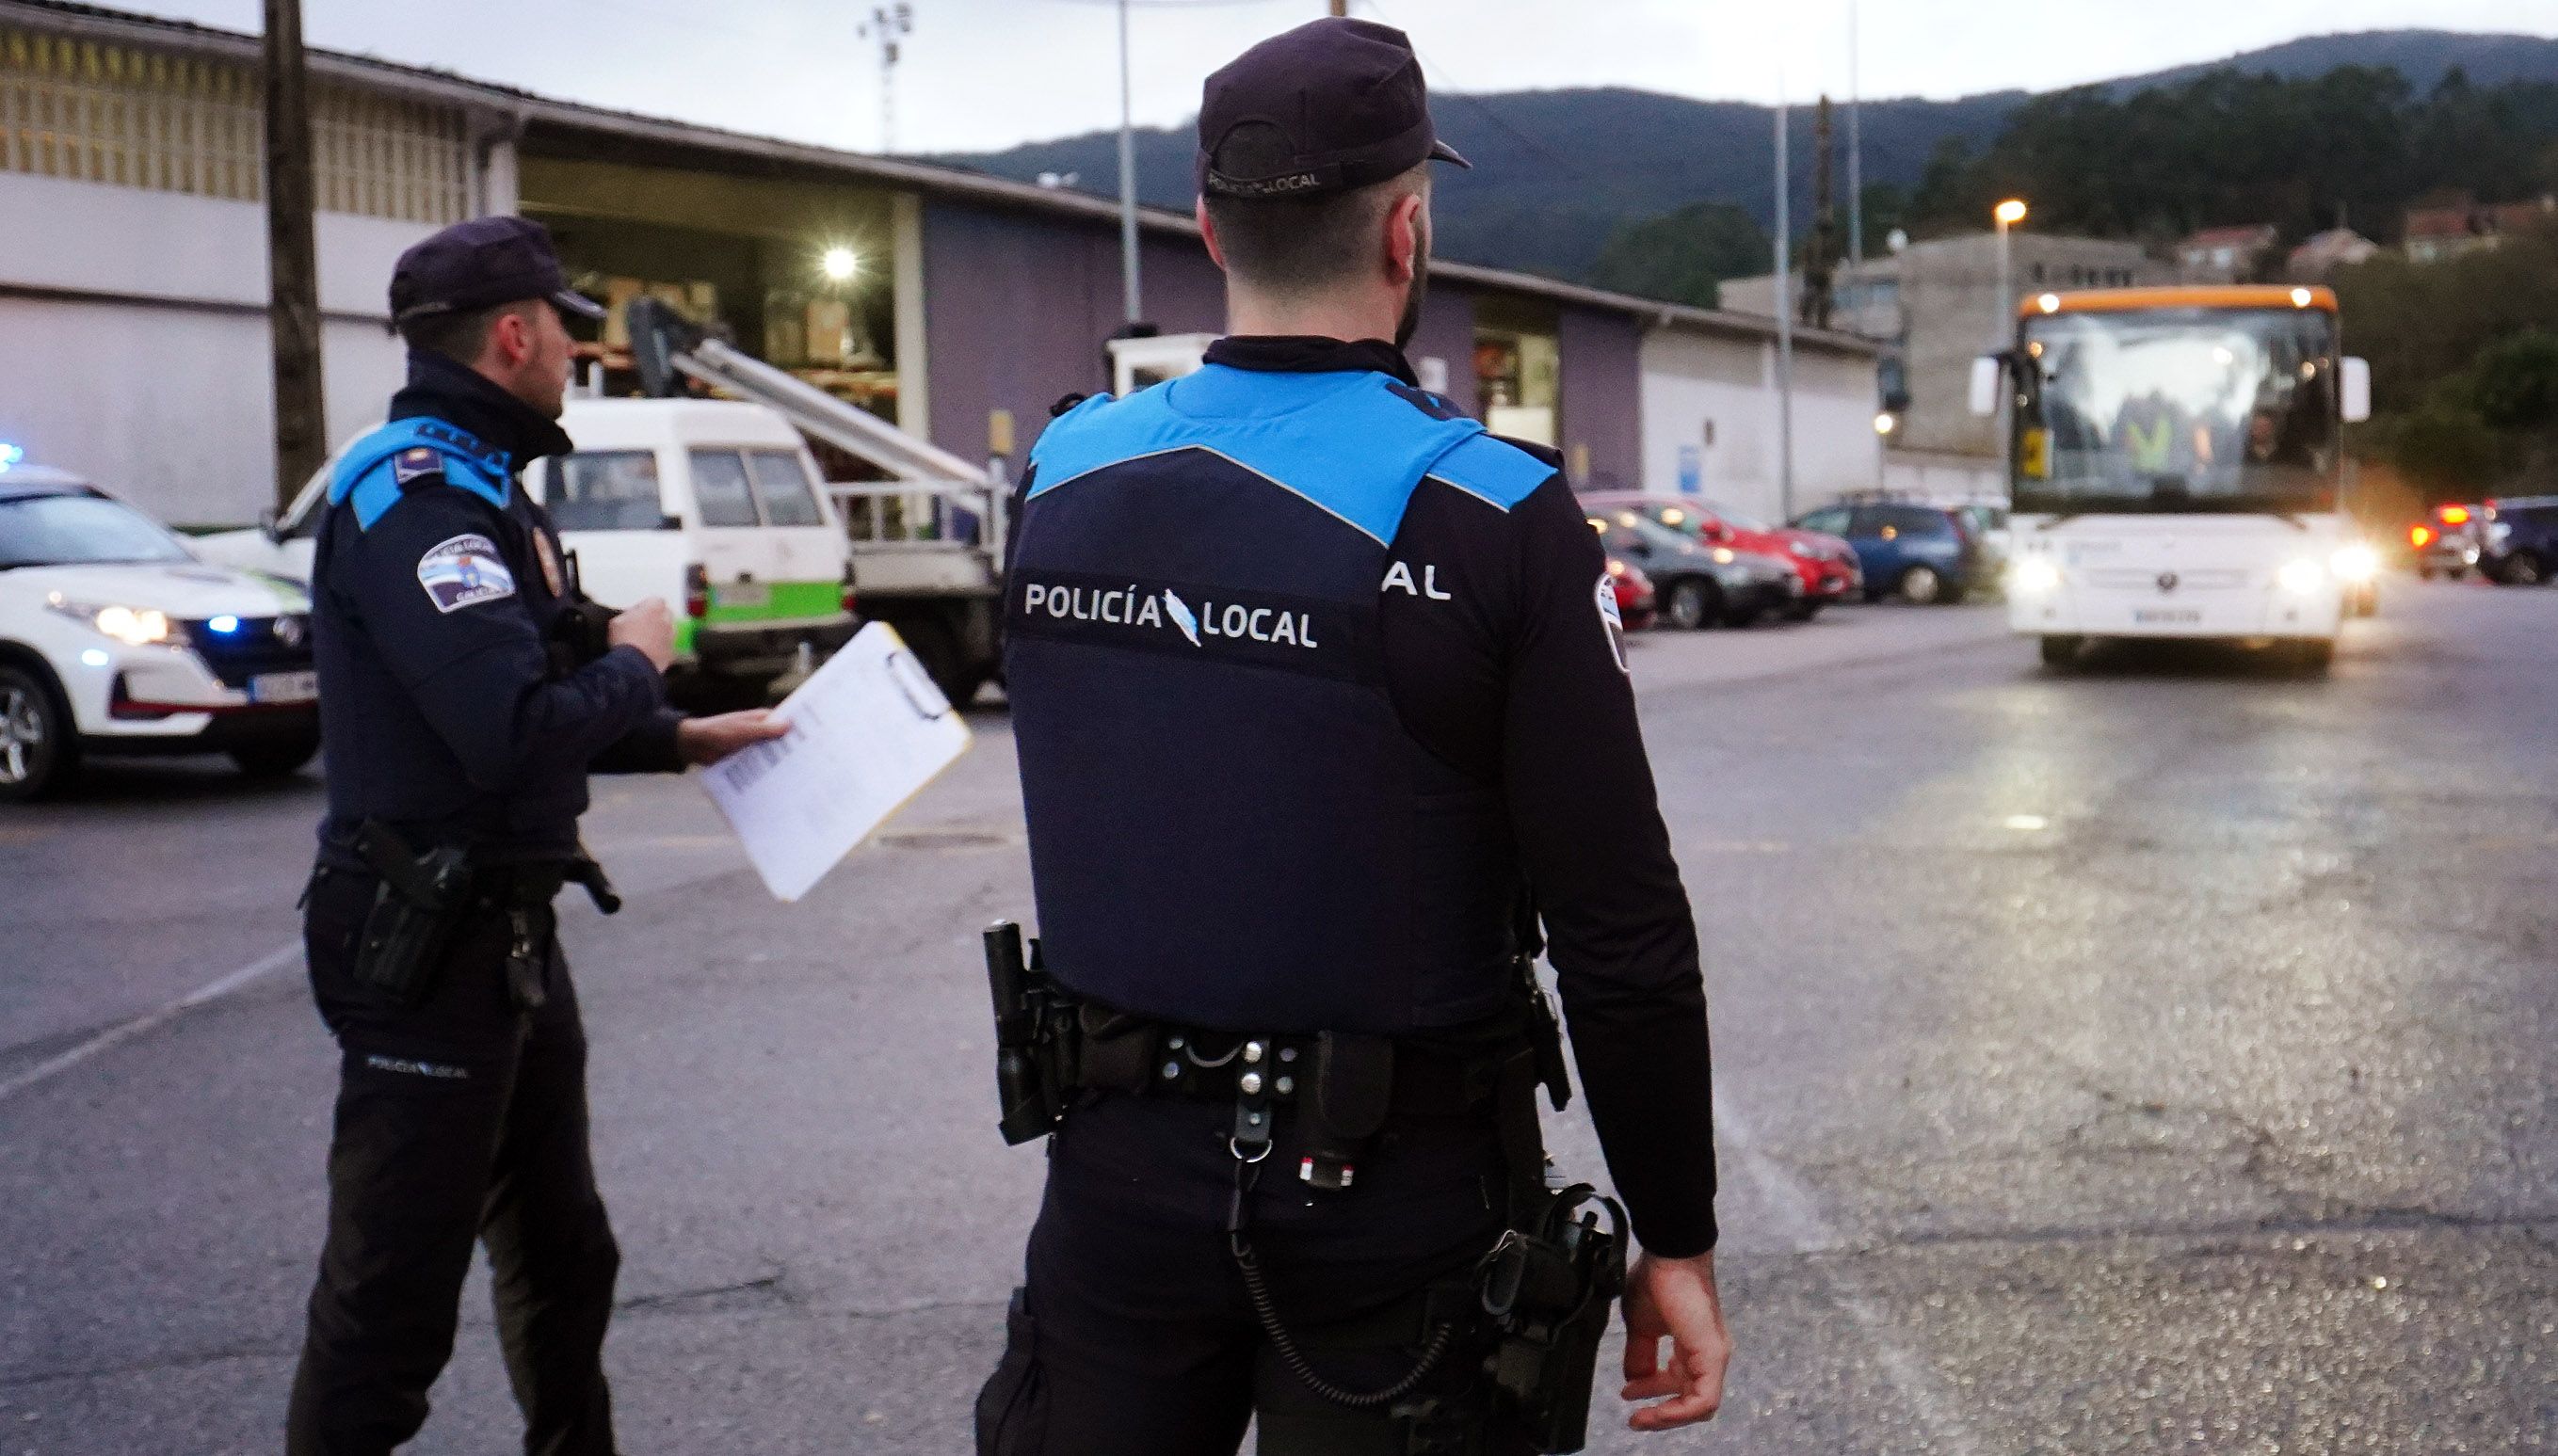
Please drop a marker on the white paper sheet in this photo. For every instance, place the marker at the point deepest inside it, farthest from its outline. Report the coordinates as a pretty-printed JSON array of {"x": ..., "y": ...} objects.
[{"x": 868, "y": 731}]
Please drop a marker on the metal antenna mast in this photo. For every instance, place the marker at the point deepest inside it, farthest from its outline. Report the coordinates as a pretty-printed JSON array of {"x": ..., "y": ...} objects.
[{"x": 889, "y": 24}]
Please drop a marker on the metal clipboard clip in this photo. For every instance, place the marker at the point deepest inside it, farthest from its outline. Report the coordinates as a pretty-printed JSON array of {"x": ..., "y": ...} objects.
[{"x": 921, "y": 693}]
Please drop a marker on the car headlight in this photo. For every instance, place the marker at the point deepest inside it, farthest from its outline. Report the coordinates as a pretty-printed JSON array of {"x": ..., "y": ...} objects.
[
  {"x": 1723, "y": 556},
  {"x": 135, "y": 626},
  {"x": 2301, "y": 576},
  {"x": 2033, "y": 575},
  {"x": 2355, "y": 564},
  {"x": 1803, "y": 551}
]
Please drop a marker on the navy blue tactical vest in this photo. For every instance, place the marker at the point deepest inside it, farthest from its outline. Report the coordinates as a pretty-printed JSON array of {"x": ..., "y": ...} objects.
[{"x": 1229, "y": 824}]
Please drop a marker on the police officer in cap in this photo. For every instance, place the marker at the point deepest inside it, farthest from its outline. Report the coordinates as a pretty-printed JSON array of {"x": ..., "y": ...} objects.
[
  {"x": 467, "y": 689},
  {"x": 1316, "y": 685}
]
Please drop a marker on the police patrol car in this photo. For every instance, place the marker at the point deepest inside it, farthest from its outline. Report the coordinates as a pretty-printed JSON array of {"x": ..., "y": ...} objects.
[{"x": 116, "y": 639}]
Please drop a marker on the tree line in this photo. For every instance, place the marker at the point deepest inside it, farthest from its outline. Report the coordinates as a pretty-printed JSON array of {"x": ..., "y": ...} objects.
[{"x": 2355, "y": 146}]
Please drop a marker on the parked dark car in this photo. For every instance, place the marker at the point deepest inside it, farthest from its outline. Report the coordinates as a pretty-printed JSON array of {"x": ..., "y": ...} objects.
[
  {"x": 1698, "y": 586},
  {"x": 1922, "y": 553},
  {"x": 1826, "y": 564},
  {"x": 2519, "y": 547}
]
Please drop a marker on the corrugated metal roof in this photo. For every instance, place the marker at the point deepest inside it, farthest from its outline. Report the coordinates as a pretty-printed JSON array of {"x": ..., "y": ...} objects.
[{"x": 527, "y": 108}]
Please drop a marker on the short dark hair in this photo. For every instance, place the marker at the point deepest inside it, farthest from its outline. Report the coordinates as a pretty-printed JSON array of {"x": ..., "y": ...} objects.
[
  {"x": 1297, "y": 246},
  {"x": 459, "y": 336}
]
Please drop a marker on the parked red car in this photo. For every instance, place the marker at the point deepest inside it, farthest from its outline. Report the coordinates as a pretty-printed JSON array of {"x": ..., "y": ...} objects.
[
  {"x": 1635, "y": 598},
  {"x": 1826, "y": 564}
]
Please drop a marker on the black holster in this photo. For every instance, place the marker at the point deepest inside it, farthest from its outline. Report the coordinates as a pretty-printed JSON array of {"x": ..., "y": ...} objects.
[
  {"x": 1550, "y": 1284},
  {"x": 419, "y": 902},
  {"x": 1036, "y": 1033}
]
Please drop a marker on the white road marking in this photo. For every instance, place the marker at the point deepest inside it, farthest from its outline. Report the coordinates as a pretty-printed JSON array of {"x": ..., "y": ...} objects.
[
  {"x": 149, "y": 1021},
  {"x": 1799, "y": 1218}
]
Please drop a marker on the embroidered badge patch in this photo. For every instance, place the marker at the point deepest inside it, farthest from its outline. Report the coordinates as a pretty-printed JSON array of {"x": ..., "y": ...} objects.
[
  {"x": 465, "y": 570},
  {"x": 1612, "y": 619}
]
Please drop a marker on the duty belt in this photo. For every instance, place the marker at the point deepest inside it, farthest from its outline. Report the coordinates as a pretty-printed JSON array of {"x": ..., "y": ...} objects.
[
  {"x": 1544, "y": 1290},
  {"x": 1053, "y": 1048}
]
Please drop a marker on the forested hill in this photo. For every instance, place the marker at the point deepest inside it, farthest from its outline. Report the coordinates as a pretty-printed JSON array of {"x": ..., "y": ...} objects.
[{"x": 1558, "y": 173}]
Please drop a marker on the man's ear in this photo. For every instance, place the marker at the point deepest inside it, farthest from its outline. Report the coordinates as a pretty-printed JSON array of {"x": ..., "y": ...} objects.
[
  {"x": 510, "y": 339},
  {"x": 1208, "y": 233},
  {"x": 1403, "y": 237}
]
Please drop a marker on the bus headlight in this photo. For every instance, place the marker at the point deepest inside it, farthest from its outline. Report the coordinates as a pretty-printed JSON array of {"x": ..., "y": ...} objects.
[
  {"x": 2355, "y": 564},
  {"x": 2033, "y": 577},
  {"x": 2301, "y": 577}
]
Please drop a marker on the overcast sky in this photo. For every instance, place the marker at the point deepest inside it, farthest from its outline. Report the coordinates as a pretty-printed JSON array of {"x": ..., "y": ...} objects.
[{"x": 981, "y": 75}]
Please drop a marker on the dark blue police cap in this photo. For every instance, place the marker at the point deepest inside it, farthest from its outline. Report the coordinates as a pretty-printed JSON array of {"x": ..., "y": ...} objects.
[
  {"x": 481, "y": 264},
  {"x": 1329, "y": 107}
]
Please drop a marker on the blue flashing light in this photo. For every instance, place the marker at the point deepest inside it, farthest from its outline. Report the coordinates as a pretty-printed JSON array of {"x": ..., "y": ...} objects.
[
  {"x": 225, "y": 625},
  {"x": 10, "y": 454},
  {"x": 92, "y": 658}
]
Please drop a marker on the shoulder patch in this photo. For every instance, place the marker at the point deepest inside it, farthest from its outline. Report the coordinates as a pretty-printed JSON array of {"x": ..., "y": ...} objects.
[
  {"x": 416, "y": 465},
  {"x": 1492, "y": 470},
  {"x": 1612, "y": 620},
  {"x": 465, "y": 570}
]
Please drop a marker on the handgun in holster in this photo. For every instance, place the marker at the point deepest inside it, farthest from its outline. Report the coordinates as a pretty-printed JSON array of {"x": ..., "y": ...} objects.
[
  {"x": 1036, "y": 1032},
  {"x": 419, "y": 900},
  {"x": 1548, "y": 1288}
]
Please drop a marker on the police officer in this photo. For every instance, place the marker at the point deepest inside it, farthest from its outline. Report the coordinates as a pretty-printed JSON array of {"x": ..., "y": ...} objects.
[
  {"x": 467, "y": 689},
  {"x": 1314, "y": 684}
]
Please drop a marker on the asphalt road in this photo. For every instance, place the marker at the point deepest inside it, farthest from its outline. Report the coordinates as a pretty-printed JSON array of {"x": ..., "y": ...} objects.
[{"x": 2157, "y": 1059}]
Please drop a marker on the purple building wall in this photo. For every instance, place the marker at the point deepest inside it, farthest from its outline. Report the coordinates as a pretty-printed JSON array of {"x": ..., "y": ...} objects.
[
  {"x": 1447, "y": 331},
  {"x": 1019, "y": 309},
  {"x": 1601, "y": 396}
]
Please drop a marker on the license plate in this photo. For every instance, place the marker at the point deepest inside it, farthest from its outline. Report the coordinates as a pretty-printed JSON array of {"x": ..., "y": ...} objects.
[
  {"x": 743, "y": 594},
  {"x": 2166, "y": 617},
  {"x": 284, "y": 687}
]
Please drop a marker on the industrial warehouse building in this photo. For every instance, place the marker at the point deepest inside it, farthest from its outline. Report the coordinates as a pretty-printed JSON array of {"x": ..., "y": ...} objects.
[{"x": 133, "y": 282}]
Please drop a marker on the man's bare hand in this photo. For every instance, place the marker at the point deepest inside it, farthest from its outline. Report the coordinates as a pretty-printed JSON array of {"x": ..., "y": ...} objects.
[
  {"x": 649, "y": 627},
  {"x": 1673, "y": 1299},
  {"x": 704, "y": 741}
]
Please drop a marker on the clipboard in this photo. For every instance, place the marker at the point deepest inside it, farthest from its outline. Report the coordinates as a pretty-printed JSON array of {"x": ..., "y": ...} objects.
[{"x": 869, "y": 732}]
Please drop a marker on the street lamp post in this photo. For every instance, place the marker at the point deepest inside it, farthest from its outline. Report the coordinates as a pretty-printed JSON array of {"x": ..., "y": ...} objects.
[
  {"x": 1129, "y": 283},
  {"x": 1785, "y": 321},
  {"x": 2007, "y": 214}
]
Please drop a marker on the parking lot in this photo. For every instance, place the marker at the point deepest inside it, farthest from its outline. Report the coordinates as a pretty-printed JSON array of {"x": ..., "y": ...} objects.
[{"x": 2156, "y": 1058}]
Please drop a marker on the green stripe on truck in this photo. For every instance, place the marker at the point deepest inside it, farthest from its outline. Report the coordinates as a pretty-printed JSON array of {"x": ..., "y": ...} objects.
[{"x": 790, "y": 600}]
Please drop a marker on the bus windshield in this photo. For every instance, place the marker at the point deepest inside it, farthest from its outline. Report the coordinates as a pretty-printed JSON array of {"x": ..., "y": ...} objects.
[{"x": 2178, "y": 410}]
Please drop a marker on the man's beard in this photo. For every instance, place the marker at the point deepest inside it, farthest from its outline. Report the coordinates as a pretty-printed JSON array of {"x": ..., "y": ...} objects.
[{"x": 1410, "y": 323}]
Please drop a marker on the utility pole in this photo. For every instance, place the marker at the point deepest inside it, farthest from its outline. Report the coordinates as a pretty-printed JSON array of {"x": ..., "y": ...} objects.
[
  {"x": 1129, "y": 284},
  {"x": 1855, "y": 152},
  {"x": 1784, "y": 322},
  {"x": 1340, "y": 9},
  {"x": 1820, "y": 255},
  {"x": 291, "y": 257},
  {"x": 889, "y": 24}
]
